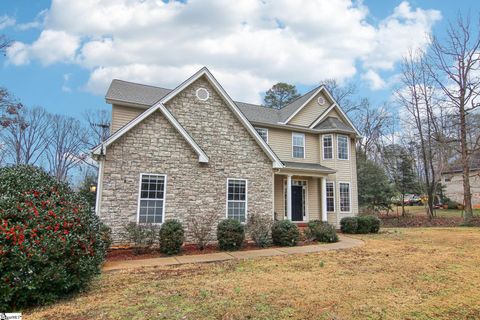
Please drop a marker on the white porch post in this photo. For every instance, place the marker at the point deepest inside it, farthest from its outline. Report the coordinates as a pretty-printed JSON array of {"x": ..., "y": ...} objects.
[
  {"x": 289, "y": 197},
  {"x": 324, "y": 199}
]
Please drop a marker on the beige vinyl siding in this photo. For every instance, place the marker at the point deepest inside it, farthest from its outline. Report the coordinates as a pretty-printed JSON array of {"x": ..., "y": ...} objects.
[
  {"x": 279, "y": 200},
  {"x": 311, "y": 111},
  {"x": 333, "y": 113},
  {"x": 281, "y": 143},
  {"x": 121, "y": 115}
]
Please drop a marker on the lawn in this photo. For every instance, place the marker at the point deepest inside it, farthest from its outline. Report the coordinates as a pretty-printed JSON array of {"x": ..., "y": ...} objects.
[
  {"x": 421, "y": 210},
  {"x": 398, "y": 274}
]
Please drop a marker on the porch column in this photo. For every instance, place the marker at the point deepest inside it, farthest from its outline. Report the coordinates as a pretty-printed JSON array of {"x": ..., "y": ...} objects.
[
  {"x": 324, "y": 199},
  {"x": 289, "y": 197}
]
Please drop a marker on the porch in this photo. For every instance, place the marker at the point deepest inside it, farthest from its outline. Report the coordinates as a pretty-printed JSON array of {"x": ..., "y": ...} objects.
[{"x": 300, "y": 193}]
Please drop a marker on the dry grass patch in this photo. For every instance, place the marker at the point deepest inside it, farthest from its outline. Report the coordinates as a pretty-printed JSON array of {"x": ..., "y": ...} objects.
[{"x": 398, "y": 274}]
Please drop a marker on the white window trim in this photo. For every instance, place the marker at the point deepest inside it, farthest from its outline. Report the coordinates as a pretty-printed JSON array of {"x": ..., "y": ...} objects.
[
  {"x": 349, "y": 195},
  {"x": 304, "y": 145},
  {"x": 246, "y": 198},
  {"x": 266, "y": 129},
  {"x": 323, "y": 147},
  {"x": 140, "y": 193},
  {"x": 348, "y": 147},
  {"x": 334, "y": 197}
]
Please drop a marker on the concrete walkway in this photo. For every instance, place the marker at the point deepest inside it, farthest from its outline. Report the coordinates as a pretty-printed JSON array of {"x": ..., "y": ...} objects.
[{"x": 344, "y": 243}]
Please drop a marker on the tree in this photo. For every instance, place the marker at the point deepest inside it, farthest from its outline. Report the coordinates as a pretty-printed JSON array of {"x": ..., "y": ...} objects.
[
  {"x": 280, "y": 95},
  {"x": 454, "y": 65},
  {"x": 67, "y": 145},
  {"x": 4, "y": 44},
  {"x": 9, "y": 108},
  {"x": 345, "y": 95},
  {"x": 99, "y": 126},
  {"x": 27, "y": 137},
  {"x": 89, "y": 180},
  {"x": 374, "y": 189}
]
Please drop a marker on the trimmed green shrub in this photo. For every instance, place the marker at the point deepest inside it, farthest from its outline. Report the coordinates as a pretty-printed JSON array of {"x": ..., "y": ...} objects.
[
  {"x": 230, "y": 234},
  {"x": 171, "y": 237},
  {"x": 259, "y": 227},
  {"x": 141, "y": 236},
  {"x": 363, "y": 224},
  {"x": 349, "y": 225},
  {"x": 285, "y": 233},
  {"x": 321, "y": 231},
  {"x": 50, "y": 243},
  {"x": 374, "y": 223}
]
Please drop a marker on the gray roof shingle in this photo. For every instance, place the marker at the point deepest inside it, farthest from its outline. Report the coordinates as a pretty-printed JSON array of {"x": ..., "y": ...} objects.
[
  {"x": 146, "y": 95},
  {"x": 306, "y": 166}
]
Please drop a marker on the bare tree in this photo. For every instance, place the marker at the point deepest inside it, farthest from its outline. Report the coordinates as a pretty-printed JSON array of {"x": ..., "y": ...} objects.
[
  {"x": 4, "y": 44},
  {"x": 201, "y": 227},
  {"x": 9, "y": 108},
  {"x": 67, "y": 145},
  {"x": 99, "y": 126},
  {"x": 345, "y": 95},
  {"x": 26, "y": 139}
]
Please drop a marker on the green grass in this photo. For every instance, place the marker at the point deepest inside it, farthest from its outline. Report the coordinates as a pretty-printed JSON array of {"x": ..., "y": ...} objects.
[{"x": 421, "y": 210}]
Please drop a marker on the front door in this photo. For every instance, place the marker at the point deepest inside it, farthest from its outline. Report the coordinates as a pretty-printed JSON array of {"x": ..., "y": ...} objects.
[{"x": 297, "y": 203}]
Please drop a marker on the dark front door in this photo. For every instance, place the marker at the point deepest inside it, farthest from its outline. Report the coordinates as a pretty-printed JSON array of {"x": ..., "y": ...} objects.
[{"x": 297, "y": 203}]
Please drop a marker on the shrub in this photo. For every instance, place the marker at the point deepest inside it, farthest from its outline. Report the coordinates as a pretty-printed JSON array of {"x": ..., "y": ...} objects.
[
  {"x": 452, "y": 204},
  {"x": 171, "y": 237},
  {"x": 363, "y": 224},
  {"x": 200, "y": 227},
  {"x": 230, "y": 234},
  {"x": 259, "y": 227},
  {"x": 321, "y": 231},
  {"x": 50, "y": 242},
  {"x": 106, "y": 235},
  {"x": 349, "y": 225},
  {"x": 285, "y": 233},
  {"x": 374, "y": 223},
  {"x": 141, "y": 236}
]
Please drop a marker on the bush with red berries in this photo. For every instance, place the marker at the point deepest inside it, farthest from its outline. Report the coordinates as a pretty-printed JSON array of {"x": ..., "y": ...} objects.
[{"x": 50, "y": 244}]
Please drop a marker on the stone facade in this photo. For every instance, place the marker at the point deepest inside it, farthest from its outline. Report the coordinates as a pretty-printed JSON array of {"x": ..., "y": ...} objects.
[{"x": 155, "y": 146}]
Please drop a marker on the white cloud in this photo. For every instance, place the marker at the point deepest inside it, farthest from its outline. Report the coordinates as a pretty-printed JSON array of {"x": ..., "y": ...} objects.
[
  {"x": 374, "y": 80},
  {"x": 66, "y": 79},
  {"x": 6, "y": 21},
  {"x": 52, "y": 46},
  {"x": 249, "y": 45},
  {"x": 38, "y": 22}
]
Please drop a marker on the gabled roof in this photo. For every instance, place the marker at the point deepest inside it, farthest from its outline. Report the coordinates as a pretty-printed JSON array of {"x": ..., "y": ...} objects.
[
  {"x": 159, "y": 105},
  {"x": 333, "y": 123},
  {"x": 145, "y": 96},
  {"x": 342, "y": 114},
  {"x": 308, "y": 166},
  {"x": 101, "y": 148}
]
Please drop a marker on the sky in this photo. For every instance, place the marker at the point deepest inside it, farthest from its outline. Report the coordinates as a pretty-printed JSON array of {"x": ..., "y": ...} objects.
[{"x": 65, "y": 53}]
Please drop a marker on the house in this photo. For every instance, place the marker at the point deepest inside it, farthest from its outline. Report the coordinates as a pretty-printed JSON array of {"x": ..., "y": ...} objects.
[
  {"x": 192, "y": 150},
  {"x": 452, "y": 179}
]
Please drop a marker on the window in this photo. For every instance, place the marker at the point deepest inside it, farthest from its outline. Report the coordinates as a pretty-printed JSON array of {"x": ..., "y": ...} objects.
[
  {"x": 330, "y": 196},
  {"x": 344, "y": 197},
  {"x": 342, "y": 147},
  {"x": 328, "y": 147},
  {"x": 151, "y": 198},
  {"x": 263, "y": 133},
  {"x": 298, "y": 145},
  {"x": 237, "y": 199}
]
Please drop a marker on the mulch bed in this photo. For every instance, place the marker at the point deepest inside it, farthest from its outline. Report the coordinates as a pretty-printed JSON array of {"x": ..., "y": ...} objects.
[
  {"x": 423, "y": 221},
  {"x": 116, "y": 254}
]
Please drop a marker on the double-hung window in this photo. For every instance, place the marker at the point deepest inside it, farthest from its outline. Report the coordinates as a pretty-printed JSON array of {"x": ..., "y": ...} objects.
[
  {"x": 327, "y": 147},
  {"x": 263, "y": 132},
  {"x": 237, "y": 199},
  {"x": 151, "y": 204},
  {"x": 342, "y": 147},
  {"x": 344, "y": 197},
  {"x": 330, "y": 196},
  {"x": 298, "y": 145}
]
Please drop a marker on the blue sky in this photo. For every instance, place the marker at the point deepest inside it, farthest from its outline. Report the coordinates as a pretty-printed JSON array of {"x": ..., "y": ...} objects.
[{"x": 64, "y": 55}]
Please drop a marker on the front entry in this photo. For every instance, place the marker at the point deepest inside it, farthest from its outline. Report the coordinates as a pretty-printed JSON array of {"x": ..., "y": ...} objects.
[{"x": 297, "y": 203}]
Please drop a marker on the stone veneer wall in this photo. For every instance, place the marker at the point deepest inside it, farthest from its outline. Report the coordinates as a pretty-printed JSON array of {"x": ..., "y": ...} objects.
[{"x": 154, "y": 146}]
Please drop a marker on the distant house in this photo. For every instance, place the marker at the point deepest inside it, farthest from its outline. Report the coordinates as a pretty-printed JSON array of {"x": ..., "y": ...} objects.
[
  {"x": 193, "y": 150},
  {"x": 453, "y": 181}
]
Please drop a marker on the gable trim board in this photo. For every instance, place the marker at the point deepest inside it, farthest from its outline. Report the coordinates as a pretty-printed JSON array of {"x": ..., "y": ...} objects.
[
  {"x": 342, "y": 114},
  {"x": 101, "y": 148},
  {"x": 277, "y": 163}
]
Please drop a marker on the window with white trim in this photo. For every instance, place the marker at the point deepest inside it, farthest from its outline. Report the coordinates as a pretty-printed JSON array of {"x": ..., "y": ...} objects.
[
  {"x": 328, "y": 146},
  {"x": 151, "y": 198},
  {"x": 298, "y": 145},
  {"x": 237, "y": 199},
  {"x": 330, "y": 197},
  {"x": 344, "y": 197},
  {"x": 342, "y": 147},
  {"x": 263, "y": 132}
]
